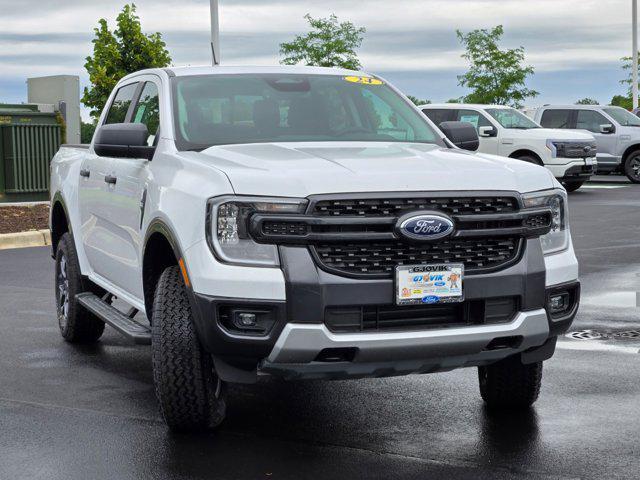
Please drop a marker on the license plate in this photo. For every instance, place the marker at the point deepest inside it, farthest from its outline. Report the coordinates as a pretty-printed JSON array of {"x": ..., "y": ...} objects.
[{"x": 429, "y": 284}]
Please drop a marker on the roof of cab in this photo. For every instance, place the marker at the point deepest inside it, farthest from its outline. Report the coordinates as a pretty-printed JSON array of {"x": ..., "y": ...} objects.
[{"x": 277, "y": 69}]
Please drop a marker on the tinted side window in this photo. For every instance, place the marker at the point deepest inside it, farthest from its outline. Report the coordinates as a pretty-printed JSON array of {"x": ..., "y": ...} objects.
[
  {"x": 556, "y": 119},
  {"x": 474, "y": 118},
  {"x": 440, "y": 115},
  {"x": 147, "y": 110},
  {"x": 591, "y": 120},
  {"x": 121, "y": 102}
]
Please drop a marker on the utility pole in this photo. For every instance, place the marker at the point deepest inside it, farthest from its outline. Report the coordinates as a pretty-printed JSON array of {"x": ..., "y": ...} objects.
[
  {"x": 634, "y": 76},
  {"x": 215, "y": 32}
]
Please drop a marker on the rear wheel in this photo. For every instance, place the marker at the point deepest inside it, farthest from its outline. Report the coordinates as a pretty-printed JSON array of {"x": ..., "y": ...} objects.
[
  {"x": 510, "y": 384},
  {"x": 191, "y": 395},
  {"x": 573, "y": 186},
  {"x": 77, "y": 325},
  {"x": 632, "y": 167}
]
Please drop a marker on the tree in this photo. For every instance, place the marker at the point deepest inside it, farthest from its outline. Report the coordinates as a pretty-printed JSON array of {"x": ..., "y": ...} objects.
[
  {"x": 328, "y": 44},
  {"x": 587, "y": 101},
  {"x": 417, "y": 102},
  {"x": 622, "y": 101},
  {"x": 495, "y": 75},
  {"x": 86, "y": 131},
  {"x": 116, "y": 54}
]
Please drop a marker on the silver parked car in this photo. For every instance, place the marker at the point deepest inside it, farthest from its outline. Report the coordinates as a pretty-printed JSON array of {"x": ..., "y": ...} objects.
[{"x": 616, "y": 130}]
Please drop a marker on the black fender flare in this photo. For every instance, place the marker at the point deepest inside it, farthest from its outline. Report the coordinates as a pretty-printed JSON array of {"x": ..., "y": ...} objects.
[{"x": 57, "y": 198}]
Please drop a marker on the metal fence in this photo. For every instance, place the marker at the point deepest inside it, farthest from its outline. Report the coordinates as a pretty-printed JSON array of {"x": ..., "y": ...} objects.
[{"x": 25, "y": 154}]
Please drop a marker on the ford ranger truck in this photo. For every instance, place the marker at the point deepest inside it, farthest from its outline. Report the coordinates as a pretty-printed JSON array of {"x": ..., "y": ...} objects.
[
  {"x": 616, "y": 130},
  {"x": 305, "y": 223},
  {"x": 570, "y": 156}
]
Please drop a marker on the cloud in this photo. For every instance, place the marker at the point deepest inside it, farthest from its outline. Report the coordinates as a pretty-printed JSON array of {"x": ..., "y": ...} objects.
[{"x": 404, "y": 37}]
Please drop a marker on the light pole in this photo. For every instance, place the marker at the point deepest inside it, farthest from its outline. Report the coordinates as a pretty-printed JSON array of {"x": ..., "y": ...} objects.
[
  {"x": 634, "y": 73},
  {"x": 215, "y": 32}
]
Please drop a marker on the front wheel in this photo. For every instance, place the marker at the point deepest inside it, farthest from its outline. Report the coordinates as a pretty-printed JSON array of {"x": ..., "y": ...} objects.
[
  {"x": 510, "y": 384},
  {"x": 632, "y": 167},
  {"x": 191, "y": 395},
  {"x": 573, "y": 186}
]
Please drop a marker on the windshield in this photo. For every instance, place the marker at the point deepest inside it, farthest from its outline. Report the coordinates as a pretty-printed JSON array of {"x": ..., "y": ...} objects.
[
  {"x": 624, "y": 118},
  {"x": 232, "y": 109},
  {"x": 512, "y": 118}
]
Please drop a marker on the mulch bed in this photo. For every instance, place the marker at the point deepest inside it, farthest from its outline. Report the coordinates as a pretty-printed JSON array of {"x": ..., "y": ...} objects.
[{"x": 21, "y": 219}]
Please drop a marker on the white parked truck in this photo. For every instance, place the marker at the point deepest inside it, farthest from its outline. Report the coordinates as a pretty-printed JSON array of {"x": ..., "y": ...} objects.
[
  {"x": 570, "y": 156},
  {"x": 304, "y": 222}
]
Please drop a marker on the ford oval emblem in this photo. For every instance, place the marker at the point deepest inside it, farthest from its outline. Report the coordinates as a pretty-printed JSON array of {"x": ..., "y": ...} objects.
[{"x": 425, "y": 226}]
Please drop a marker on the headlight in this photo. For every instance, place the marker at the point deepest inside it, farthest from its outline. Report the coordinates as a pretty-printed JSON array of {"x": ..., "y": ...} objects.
[
  {"x": 228, "y": 232},
  {"x": 557, "y": 239}
]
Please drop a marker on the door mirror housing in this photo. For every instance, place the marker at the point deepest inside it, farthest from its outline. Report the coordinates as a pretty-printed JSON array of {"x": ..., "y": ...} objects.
[
  {"x": 487, "y": 131},
  {"x": 607, "y": 128},
  {"x": 123, "y": 140},
  {"x": 462, "y": 134}
]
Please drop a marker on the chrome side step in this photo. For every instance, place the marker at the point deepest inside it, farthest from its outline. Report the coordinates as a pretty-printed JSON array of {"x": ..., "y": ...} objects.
[{"x": 138, "y": 333}]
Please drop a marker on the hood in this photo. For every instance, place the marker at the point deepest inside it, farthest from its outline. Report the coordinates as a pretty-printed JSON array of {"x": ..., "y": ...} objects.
[
  {"x": 302, "y": 169},
  {"x": 551, "y": 134}
]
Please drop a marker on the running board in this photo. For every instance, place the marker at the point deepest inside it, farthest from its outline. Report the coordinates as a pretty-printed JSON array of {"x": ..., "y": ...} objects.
[{"x": 138, "y": 333}]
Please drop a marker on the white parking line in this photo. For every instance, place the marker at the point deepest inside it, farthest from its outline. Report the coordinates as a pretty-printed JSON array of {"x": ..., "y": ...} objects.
[{"x": 595, "y": 346}]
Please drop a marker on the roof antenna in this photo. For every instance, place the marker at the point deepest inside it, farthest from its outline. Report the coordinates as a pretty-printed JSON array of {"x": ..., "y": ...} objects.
[{"x": 215, "y": 32}]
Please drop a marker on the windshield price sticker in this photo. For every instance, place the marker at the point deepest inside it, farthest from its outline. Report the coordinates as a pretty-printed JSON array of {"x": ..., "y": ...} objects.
[{"x": 364, "y": 80}]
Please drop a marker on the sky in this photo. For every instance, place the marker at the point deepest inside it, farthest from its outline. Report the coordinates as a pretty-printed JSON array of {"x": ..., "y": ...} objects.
[{"x": 575, "y": 46}]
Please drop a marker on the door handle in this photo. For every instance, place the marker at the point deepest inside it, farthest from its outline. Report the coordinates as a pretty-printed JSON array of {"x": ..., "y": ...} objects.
[
  {"x": 110, "y": 179},
  {"x": 85, "y": 173}
]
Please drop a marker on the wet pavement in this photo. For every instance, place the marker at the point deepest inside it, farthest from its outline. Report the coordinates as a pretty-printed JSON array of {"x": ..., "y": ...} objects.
[{"x": 69, "y": 412}]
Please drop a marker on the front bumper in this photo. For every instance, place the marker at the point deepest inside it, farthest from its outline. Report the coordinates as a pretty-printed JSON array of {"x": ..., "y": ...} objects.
[
  {"x": 299, "y": 318},
  {"x": 401, "y": 353},
  {"x": 574, "y": 169}
]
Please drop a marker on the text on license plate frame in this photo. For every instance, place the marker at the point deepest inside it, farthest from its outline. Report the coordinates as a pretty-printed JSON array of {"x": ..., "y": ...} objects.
[{"x": 428, "y": 293}]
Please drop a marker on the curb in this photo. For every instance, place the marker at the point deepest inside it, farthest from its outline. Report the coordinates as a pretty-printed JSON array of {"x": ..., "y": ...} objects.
[{"x": 35, "y": 238}]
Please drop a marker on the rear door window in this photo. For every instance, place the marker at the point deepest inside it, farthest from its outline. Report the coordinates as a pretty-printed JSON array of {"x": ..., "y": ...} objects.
[
  {"x": 121, "y": 103},
  {"x": 591, "y": 120},
  {"x": 556, "y": 119}
]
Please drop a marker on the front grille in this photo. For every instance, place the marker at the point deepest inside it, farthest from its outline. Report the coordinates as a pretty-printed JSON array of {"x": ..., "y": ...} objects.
[
  {"x": 577, "y": 150},
  {"x": 391, "y": 317},
  {"x": 398, "y": 206},
  {"x": 380, "y": 258}
]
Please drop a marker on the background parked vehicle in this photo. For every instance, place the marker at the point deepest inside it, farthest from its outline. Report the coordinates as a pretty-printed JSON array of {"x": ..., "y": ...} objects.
[
  {"x": 505, "y": 131},
  {"x": 616, "y": 131}
]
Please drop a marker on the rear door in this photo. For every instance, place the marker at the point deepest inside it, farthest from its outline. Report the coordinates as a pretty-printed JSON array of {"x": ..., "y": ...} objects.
[
  {"x": 130, "y": 193},
  {"x": 95, "y": 200}
]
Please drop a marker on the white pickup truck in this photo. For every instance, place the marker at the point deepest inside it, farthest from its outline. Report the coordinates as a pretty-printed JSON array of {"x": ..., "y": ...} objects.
[
  {"x": 305, "y": 223},
  {"x": 570, "y": 156}
]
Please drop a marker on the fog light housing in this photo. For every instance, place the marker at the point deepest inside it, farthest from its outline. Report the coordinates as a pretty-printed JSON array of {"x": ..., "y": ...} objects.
[
  {"x": 558, "y": 302},
  {"x": 246, "y": 321}
]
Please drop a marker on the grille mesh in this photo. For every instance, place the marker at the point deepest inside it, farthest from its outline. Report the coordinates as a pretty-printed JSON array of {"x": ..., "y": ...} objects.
[
  {"x": 398, "y": 206},
  {"x": 381, "y": 258}
]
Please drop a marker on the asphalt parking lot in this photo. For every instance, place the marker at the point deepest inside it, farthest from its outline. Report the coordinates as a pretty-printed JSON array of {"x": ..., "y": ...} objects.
[{"x": 70, "y": 412}]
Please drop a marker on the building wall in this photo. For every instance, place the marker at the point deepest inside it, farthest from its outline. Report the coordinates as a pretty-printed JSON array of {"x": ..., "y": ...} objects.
[{"x": 56, "y": 89}]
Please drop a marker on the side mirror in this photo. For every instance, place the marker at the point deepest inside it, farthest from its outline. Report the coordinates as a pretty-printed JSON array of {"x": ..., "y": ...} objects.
[
  {"x": 123, "y": 140},
  {"x": 462, "y": 134},
  {"x": 487, "y": 132},
  {"x": 607, "y": 128}
]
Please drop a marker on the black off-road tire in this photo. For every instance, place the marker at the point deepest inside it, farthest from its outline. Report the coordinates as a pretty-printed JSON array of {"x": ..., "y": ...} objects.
[
  {"x": 573, "y": 186},
  {"x": 509, "y": 384},
  {"x": 632, "y": 167},
  {"x": 190, "y": 394},
  {"x": 77, "y": 325}
]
